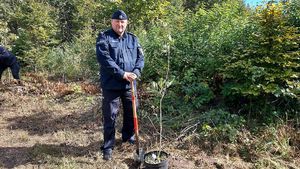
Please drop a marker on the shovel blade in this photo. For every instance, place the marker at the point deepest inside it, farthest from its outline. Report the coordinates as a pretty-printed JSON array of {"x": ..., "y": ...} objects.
[{"x": 139, "y": 155}]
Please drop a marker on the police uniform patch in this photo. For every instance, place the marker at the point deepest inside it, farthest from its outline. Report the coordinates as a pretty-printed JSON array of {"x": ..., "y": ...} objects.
[{"x": 100, "y": 42}]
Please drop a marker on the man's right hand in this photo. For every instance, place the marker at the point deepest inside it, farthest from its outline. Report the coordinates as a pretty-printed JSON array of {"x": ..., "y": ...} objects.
[{"x": 129, "y": 76}]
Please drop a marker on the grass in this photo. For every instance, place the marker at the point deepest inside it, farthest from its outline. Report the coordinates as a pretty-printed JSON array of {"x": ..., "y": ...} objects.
[{"x": 48, "y": 124}]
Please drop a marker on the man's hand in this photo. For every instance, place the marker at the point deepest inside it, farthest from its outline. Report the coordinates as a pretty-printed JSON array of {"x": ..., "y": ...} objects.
[{"x": 129, "y": 76}]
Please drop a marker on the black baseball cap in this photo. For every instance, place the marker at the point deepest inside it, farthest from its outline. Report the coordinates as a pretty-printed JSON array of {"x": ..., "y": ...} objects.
[{"x": 120, "y": 15}]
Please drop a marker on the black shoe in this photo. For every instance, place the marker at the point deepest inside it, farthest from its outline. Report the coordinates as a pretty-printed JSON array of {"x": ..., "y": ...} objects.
[
  {"x": 107, "y": 155},
  {"x": 130, "y": 141}
]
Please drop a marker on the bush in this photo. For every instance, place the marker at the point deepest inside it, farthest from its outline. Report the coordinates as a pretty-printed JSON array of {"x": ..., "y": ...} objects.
[
  {"x": 75, "y": 60},
  {"x": 36, "y": 29},
  {"x": 220, "y": 126},
  {"x": 264, "y": 69}
]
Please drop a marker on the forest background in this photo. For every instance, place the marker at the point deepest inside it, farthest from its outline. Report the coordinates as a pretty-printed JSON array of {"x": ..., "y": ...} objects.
[{"x": 230, "y": 71}]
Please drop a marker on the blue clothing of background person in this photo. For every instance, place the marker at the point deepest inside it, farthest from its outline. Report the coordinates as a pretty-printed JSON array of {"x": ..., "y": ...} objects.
[
  {"x": 121, "y": 61},
  {"x": 8, "y": 60}
]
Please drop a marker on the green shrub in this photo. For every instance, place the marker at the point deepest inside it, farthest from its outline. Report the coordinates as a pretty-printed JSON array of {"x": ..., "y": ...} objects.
[
  {"x": 75, "y": 60},
  {"x": 220, "y": 125},
  {"x": 264, "y": 70},
  {"x": 36, "y": 29}
]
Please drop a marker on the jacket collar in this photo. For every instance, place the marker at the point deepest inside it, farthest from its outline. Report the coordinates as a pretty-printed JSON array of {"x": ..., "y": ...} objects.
[{"x": 115, "y": 35}]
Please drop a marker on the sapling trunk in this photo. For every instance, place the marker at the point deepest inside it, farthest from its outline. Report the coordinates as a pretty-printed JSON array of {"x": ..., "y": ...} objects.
[{"x": 163, "y": 90}]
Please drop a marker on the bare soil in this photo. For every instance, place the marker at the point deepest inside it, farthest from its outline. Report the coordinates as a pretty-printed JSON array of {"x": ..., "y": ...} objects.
[{"x": 49, "y": 124}]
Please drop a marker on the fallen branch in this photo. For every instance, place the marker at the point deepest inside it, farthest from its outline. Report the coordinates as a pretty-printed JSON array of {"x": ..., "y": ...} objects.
[{"x": 187, "y": 130}]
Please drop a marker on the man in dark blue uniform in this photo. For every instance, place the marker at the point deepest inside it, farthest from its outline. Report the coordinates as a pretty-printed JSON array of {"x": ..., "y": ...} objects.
[
  {"x": 121, "y": 61},
  {"x": 8, "y": 60}
]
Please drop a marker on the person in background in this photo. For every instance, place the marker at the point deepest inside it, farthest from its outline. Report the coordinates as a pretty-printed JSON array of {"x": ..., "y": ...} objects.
[
  {"x": 121, "y": 61},
  {"x": 8, "y": 60}
]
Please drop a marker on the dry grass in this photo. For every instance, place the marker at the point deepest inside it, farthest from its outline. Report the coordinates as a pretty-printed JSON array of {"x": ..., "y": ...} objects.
[
  {"x": 276, "y": 148},
  {"x": 48, "y": 124}
]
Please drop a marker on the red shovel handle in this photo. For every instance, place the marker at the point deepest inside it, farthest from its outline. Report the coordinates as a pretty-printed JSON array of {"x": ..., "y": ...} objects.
[{"x": 135, "y": 119}]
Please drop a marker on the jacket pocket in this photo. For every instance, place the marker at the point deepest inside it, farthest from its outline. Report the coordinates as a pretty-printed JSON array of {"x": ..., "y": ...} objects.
[
  {"x": 131, "y": 48},
  {"x": 113, "y": 50}
]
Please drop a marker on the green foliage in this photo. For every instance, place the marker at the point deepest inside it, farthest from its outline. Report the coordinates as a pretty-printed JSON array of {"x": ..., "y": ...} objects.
[
  {"x": 197, "y": 42},
  {"x": 220, "y": 125},
  {"x": 6, "y": 37},
  {"x": 36, "y": 29},
  {"x": 205, "y": 37},
  {"x": 155, "y": 53},
  {"x": 143, "y": 13},
  {"x": 73, "y": 60},
  {"x": 73, "y": 16},
  {"x": 194, "y": 4},
  {"x": 197, "y": 94},
  {"x": 268, "y": 64},
  {"x": 293, "y": 9}
]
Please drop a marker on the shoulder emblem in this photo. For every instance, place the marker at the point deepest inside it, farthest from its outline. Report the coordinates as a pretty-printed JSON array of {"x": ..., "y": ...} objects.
[{"x": 101, "y": 38}]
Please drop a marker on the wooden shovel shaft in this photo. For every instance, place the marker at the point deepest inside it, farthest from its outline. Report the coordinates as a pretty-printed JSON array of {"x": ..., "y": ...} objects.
[{"x": 135, "y": 119}]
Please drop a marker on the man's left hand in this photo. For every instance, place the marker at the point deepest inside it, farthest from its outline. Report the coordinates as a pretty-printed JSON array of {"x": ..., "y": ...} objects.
[{"x": 129, "y": 76}]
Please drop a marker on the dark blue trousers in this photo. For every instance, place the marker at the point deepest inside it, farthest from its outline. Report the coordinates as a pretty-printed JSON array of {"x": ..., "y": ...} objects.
[
  {"x": 15, "y": 68},
  {"x": 110, "y": 107}
]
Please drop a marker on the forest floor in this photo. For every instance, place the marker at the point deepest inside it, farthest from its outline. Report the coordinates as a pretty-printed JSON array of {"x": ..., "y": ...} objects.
[{"x": 49, "y": 124}]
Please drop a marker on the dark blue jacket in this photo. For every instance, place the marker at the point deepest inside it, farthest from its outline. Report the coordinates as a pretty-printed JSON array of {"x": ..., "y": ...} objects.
[
  {"x": 7, "y": 59},
  {"x": 116, "y": 56}
]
